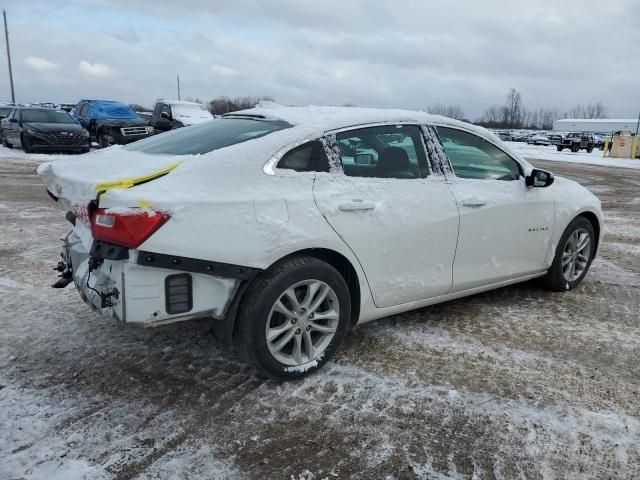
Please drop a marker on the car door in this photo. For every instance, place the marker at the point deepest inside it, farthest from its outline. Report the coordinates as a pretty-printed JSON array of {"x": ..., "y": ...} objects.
[
  {"x": 13, "y": 128},
  {"x": 399, "y": 219},
  {"x": 505, "y": 226}
]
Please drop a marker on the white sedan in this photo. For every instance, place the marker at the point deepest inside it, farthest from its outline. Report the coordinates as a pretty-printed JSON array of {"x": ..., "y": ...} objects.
[{"x": 285, "y": 226}]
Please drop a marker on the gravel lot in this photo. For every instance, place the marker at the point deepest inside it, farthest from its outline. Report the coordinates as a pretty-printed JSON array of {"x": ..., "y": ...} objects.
[{"x": 515, "y": 383}]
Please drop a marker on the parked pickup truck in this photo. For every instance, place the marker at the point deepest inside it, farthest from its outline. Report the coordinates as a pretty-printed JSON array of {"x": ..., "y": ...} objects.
[
  {"x": 111, "y": 122},
  {"x": 577, "y": 141},
  {"x": 170, "y": 114}
]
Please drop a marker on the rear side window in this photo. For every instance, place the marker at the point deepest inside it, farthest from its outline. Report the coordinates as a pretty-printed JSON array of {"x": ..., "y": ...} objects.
[
  {"x": 309, "y": 157},
  {"x": 207, "y": 137},
  {"x": 474, "y": 157},
  {"x": 390, "y": 151}
]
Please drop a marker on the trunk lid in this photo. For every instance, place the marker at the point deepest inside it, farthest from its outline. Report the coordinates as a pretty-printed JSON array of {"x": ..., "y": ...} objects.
[{"x": 78, "y": 180}]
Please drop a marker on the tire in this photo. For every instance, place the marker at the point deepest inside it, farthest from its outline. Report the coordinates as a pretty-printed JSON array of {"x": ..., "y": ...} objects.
[
  {"x": 258, "y": 312},
  {"x": 6, "y": 144},
  {"x": 555, "y": 279},
  {"x": 25, "y": 144},
  {"x": 589, "y": 149},
  {"x": 102, "y": 140},
  {"x": 559, "y": 148},
  {"x": 575, "y": 148}
]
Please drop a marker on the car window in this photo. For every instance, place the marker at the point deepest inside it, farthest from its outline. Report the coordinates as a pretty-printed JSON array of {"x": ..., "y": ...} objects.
[
  {"x": 84, "y": 109},
  {"x": 165, "y": 109},
  {"x": 308, "y": 157},
  {"x": 393, "y": 151},
  {"x": 207, "y": 137},
  {"x": 474, "y": 157},
  {"x": 45, "y": 116}
]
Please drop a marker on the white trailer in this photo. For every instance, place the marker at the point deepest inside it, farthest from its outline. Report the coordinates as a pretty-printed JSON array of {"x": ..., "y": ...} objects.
[{"x": 605, "y": 125}]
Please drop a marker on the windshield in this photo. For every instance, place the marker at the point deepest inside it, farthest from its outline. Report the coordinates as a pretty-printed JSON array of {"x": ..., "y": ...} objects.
[
  {"x": 187, "y": 110},
  {"x": 45, "y": 116},
  {"x": 207, "y": 137}
]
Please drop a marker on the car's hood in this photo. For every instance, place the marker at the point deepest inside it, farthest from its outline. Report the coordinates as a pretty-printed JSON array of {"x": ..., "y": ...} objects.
[
  {"x": 78, "y": 180},
  {"x": 54, "y": 127},
  {"x": 189, "y": 120}
]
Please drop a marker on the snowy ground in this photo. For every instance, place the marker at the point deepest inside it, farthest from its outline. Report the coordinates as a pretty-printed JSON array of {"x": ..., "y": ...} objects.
[
  {"x": 550, "y": 153},
  {"x": 516, "y": 383}
]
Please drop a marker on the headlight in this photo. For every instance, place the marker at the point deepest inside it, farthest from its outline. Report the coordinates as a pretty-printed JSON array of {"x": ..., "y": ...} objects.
[
  {"x": 35, "y": 133},
  {"x": 149, "y": 129}
]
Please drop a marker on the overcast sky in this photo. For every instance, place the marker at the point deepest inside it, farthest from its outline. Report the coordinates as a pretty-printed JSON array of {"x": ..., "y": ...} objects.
[{"x": 381, "y": 53}]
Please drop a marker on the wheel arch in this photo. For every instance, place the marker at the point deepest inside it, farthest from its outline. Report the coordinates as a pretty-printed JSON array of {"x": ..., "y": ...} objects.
[
  {"x": 595, "y": 222},
  {"x": 225, "y": 329}
]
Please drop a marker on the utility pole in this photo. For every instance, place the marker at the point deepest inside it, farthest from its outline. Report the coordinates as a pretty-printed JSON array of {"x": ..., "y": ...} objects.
[
  {"x": 638, "y": 125},
  {"x": 6, "y": 37},
  {"x": 178, "y": 78}
]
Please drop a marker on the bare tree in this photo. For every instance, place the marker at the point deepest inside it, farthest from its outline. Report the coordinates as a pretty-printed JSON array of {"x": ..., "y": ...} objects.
[
  {"x": 451, "y": 111},
  {"x": 222, "y": 105},
  {"x": 590, "y": 110},
  {"x": 512, "y": 113}
]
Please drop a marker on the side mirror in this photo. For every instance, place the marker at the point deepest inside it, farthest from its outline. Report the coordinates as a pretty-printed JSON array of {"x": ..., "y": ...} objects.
[
  {"x": 363, "y": 159},
  {"x": 13, "y": 120},
  {"x": 539, "y": 178},
  {"x": 165, "y": 115}
]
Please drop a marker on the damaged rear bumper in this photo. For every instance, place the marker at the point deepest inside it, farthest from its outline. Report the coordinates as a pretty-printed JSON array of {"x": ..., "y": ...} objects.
[{"x": 148, "y": 289}]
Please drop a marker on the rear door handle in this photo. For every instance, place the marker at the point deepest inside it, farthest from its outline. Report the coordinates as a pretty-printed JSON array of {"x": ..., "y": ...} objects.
[
  {"x": 473, "y": 204},
  {"x": 356, "y": 206}
]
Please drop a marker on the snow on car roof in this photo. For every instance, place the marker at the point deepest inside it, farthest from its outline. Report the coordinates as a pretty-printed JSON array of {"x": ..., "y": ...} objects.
[
  {"x": 323, "y": 119},
  {"x": 331, "y": 118},
  {"x": 179, "y": 102}
]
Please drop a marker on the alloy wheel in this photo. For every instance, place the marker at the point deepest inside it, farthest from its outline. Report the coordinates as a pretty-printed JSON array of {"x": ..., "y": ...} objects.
[
  {"x": 576, "y": 255},
  {"x": 302, "y": 322}
]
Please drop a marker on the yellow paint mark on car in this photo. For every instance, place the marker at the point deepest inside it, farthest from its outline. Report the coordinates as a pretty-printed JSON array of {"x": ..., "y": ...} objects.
[{"x": 132, "y": 181}]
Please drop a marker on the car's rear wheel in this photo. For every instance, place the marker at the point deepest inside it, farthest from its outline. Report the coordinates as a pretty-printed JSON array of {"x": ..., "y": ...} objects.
[
  {"x": 293, "y": 318},
  {"x": 559, "y": 148},
  {"x": 590, "y": 149},
  {"x": 575, "y": 148},
  {"x": 573, "y": 256}
]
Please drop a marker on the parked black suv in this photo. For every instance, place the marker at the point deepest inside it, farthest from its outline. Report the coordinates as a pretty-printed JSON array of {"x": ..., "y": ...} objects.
[
  {"x": 43, "y": 129},
  {"x": 171, "y": 114},
  {"x": 111, "y": 122},
  {"x": 577, "y": 141}
]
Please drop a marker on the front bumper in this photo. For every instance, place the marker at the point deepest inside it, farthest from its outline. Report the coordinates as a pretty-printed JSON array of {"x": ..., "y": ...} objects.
[
  {"x": 140, "y": 295},
  {"x": 53, "y": 143}
]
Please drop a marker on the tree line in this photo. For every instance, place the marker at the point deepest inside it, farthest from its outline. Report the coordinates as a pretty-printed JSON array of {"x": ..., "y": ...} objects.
[{"x": 511, "y": 114}]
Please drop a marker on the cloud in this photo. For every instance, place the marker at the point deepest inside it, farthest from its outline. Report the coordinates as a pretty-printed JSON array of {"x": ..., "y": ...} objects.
[
  {"x": 224, "y": 71},
  {"x": 376, "y": 53},
  {"x": 99, "y": 70},
  {"x": 40, "y": 64}
]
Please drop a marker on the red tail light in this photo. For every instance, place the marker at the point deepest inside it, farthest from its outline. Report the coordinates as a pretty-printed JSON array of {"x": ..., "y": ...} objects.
[{"x": 128, "y": 229}]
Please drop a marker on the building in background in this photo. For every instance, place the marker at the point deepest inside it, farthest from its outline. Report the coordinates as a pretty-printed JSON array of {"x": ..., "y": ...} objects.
[{"x": 605, "y": 125}]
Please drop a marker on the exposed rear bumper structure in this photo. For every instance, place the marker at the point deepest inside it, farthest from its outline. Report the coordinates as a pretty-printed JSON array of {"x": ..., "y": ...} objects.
[{"x": 146, "y": 289}]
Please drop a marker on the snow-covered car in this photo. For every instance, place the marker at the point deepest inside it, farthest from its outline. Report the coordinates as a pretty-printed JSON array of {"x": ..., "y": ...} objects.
[
  {"x": 172, "y": 114},
  {"x": 538, "y": 139},
  {"x": 285, "y": 226}
]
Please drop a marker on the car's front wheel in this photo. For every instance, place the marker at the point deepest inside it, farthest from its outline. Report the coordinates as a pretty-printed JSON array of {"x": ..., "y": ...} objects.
[
  {"x": 26, "y": 145},
  {"x": 573, "y": 256},
  {"x": 293, "y": 318}
]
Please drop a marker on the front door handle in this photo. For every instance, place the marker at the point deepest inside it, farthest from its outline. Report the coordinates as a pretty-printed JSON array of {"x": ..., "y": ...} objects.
[
  {"x": 473, "y": 202},
  {"x": 356, "y": 206}
]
